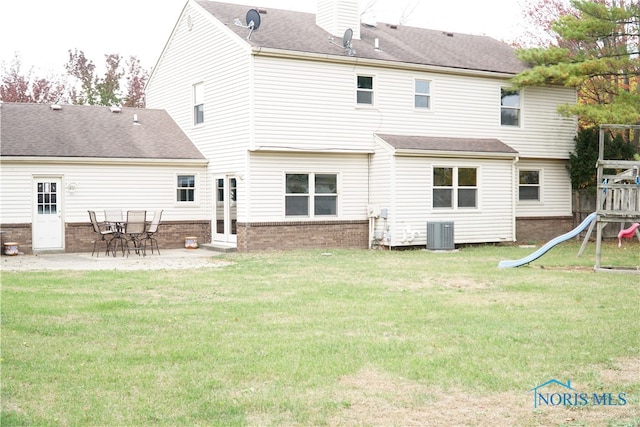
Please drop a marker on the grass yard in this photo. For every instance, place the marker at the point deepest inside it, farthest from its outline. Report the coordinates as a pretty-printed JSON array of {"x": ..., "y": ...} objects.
[{"x": 333, "y": 337}]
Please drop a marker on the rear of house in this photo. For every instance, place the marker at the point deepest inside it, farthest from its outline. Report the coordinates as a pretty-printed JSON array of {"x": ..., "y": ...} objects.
[{"x": 309, "y": 142}]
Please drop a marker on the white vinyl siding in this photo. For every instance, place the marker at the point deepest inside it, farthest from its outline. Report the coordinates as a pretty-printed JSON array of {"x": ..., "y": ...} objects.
[
  {"x": 267, "y": 187},
  {"x": 102, "y": 186},
  {"x": 194, "y": 56},
  {"x": 490, "y": 222},
  {"x": 318, "y": 111},
  {"x": 404, "y": 184},
  {"x": 555, "y": 189}
]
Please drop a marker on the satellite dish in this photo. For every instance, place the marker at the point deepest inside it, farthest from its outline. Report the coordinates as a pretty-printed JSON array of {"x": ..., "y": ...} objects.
[
  {"x": 346, "y": 38},
  {"x": 253, "y": 22},
  {"x": 253, "y": 19},
  {"x": 346, "y": 42}
]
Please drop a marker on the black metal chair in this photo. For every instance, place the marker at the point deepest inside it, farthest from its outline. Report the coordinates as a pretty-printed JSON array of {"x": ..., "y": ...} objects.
[
  {"x": 101, "y": 234},
  {"x": 151, "y": 232}
]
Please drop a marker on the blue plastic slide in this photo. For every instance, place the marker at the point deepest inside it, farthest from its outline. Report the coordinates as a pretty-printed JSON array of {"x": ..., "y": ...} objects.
[{"x": 537, "y": 254}]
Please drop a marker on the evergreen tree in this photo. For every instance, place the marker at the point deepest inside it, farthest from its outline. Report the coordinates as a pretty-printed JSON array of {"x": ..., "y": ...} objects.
[{"x": 597, "y": 54}]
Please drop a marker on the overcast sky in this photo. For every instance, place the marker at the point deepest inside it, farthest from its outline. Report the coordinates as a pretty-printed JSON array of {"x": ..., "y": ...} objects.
[{"x": 43, "y": 31}]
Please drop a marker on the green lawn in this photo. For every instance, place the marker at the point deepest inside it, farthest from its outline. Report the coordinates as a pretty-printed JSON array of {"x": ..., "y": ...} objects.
[{"x": 332, "y": 337}]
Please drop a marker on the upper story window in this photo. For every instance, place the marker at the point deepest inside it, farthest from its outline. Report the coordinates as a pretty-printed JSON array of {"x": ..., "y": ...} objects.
[
  {"x": 312, "y": 192},
  {"x": 509, "y": 107},
  {"x": 529, "y": 185},
  {"x": 365, "y": 90},
  {"x": 198, "y": 103},
  {"x": 186, "y": 188},
  {"x": 423, "y": 94},
  {"x": 455, "y": 187}
]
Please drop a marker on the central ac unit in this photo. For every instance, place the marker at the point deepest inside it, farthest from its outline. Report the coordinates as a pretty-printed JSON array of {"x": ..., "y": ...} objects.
[{"x": 440, "y": 235}]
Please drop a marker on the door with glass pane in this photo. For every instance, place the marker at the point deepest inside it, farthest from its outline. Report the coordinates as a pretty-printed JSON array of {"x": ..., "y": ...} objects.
[
  {"x": 47, "y": 219},
  {"x": 226, "y": 210}
]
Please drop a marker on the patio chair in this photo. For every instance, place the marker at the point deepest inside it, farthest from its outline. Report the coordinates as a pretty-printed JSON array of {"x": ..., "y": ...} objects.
[
  {"x": 151, "y": 232},
  {"x": 101, "y": 234},
  {"x": 134, "y": 229},
  {"x": 113, "y": 218},
  {"x": 115, "y": 222}
]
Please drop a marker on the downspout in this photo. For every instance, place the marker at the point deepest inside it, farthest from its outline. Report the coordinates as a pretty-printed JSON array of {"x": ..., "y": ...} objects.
[
  {"x": 514, "y": 195},
  {"x": 372, "y": 221}
]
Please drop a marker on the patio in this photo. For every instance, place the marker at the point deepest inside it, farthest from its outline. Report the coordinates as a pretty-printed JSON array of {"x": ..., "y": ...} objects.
[{"x": 169, "y": 259}]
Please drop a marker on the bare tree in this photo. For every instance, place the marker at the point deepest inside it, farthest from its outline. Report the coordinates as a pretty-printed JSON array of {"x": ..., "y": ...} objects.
[{"x": 407, "y": 11}]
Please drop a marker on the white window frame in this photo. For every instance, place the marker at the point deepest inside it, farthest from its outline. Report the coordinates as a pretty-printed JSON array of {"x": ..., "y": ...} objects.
[
  {"x": 195, "y": 188},
  {"x": 372, "y": 91},
  {"x": 455, "y": 187},
  {"x": 539, "y": 185},
  {"x": 427, "y": 95},
  {"x": 517, "y": 109},
  {"x": 198, "y": 103},
  {"x": 311, "y": 195}
]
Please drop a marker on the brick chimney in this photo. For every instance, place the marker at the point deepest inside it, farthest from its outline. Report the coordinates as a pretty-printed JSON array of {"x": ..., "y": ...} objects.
[{"x": 335, "y": 16}]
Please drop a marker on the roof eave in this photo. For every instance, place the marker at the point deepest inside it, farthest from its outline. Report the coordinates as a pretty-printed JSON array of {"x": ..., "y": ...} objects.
[
  {"x": 101, "y": 161},
  {"x": 310, "y": 56},
  {"x": 456, "y": 154},
  {"x": 327, "y": 150}
]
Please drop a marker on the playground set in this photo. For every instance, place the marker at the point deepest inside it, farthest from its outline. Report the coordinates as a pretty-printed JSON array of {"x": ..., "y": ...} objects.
[{"x": 618, "y": 202}]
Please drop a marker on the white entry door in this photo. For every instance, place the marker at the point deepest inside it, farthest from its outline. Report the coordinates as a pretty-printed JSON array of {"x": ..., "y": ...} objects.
[
  {"x": 47, "y": 232},
  {"x": 226, "y": 214}
]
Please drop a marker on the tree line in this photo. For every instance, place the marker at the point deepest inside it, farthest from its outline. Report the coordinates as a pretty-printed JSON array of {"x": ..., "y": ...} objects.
[{"x": 121, "y": 84}]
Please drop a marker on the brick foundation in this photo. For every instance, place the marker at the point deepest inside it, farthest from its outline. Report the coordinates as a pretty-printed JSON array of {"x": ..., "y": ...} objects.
[
  {"x": 302, "y": 235},
  {"x": 19, "y": 233},
  {"x": 79, "y": 237},
  {"x": 537, "y": 229},
  {"x": 273, "y": 235}
]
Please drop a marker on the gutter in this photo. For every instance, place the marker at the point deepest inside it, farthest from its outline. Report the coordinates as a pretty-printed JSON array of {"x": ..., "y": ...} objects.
[
  {"x": 282, "y": 149},
  {"x": 101, "y": 161},
  {"x": 351, "y": 60},
  {"x": 458, "y": 154}
]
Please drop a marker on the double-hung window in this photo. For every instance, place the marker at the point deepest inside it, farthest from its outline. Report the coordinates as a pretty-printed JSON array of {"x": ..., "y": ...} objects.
[
  {"x": 455, "y": 187},
  {"x": 364, "y": 94},
  {"x": 312, "y": 194},
  {"x": 198, "y": 103},
  {"x": 509, "y": 107},
  {"x": 529, "y": 185},
  {"x": 186, "y": 188},
  {"x": 422, "y": 97}
]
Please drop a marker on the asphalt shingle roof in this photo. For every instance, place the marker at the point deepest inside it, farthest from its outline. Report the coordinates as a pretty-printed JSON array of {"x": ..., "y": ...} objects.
[
  {"x": 91, "y": 131},
  {"x": 446, "y": 144},
  {"x": 297, "y": 31}
]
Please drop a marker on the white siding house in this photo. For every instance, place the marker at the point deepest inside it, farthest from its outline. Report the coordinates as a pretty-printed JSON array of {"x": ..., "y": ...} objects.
[
  {"x": 305, "y": 136},
  {"x": 59, "y": 162}
]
